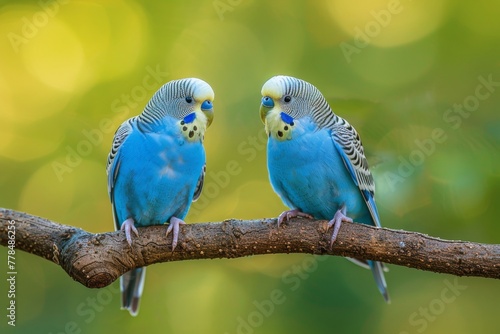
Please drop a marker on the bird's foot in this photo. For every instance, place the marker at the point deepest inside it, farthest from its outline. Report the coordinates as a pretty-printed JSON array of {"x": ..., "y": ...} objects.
[
  {"x": 174, "y": 226},
  {"x": 336, "y": 222},
  {"x": 287, "y": 215},
  {"x": 128, "y": 226}
]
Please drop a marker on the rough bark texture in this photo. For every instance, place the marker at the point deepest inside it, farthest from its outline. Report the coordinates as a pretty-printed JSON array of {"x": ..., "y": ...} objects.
[{"x": 96, "y": 260}]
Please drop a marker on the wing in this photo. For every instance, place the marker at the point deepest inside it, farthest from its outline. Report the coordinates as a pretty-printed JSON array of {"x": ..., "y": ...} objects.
[
  {"x": 350, "y": 148},
  {"x": 199, "y": 185},
  {"x": 113, "y": 164}
]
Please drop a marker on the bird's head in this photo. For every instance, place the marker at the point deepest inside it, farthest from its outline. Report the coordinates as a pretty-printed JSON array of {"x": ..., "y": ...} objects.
[
  {"x": 284, "y": 101},
  {"x": 189, "y": 101}
]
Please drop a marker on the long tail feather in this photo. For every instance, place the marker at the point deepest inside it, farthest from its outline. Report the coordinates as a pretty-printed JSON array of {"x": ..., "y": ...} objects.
[
  {"x": 132, "y": 284},
  {"x": 378, "y": 274}
]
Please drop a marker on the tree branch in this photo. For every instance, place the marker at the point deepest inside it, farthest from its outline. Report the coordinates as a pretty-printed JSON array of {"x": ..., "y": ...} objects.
[{"x": 96, "y": 260}]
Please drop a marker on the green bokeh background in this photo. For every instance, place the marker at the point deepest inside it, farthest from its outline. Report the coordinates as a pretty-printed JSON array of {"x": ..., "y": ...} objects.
[{"x": 74, "y": 68}]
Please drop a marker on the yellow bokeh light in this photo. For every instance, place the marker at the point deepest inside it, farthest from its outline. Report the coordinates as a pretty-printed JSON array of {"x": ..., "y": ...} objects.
[
  {"x": 55, "y": 56},
  {"x": 115, "y": 39},
  {"x": 7, "y": 109},
  {"x": 387, "y": 23},
  {"x": 37, "y": 139},
  {"x": 24, "y": 99}
]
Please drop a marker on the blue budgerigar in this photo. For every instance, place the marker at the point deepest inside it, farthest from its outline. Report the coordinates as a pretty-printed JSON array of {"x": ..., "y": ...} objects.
[
  {"x": 316, "y": 161},
  {"x": 156, "y": 167}
]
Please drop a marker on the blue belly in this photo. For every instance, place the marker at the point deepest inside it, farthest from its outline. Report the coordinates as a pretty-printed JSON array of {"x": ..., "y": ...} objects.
[
  {"x": 309, "y": 174},
  {"x": 157, "y": 178}
]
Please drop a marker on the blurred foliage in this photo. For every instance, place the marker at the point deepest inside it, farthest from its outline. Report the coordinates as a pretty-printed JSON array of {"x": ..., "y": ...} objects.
[{"x": 72, "y": 71}]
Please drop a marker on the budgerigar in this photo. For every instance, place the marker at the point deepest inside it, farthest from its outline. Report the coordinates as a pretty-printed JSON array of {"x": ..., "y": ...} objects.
[
  {"x": 316, "y": 161},
  {"x": 156, "y": 167}
]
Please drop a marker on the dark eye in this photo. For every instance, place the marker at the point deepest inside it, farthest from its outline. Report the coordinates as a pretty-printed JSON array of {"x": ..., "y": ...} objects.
[
  {"x": 189, "y": 99},
  {"x": 287, "y": 98}
]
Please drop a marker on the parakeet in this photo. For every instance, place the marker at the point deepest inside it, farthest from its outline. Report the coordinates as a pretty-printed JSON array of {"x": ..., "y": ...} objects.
[
  {"x": 316, "y": 161},
  {"x": 156, "y": 167}
]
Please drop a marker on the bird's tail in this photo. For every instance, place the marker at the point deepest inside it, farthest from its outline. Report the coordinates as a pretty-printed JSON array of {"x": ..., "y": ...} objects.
[
  {"x": 378, "y": 273},
  {"x": 131, "y": 284}
]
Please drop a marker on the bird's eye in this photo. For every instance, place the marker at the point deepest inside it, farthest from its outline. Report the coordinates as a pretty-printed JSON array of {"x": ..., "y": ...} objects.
[
  {"x": 189, "y": 99},
  {"x": 267, "y": 102},
  {"x": 206, "y": 105},
  {"x": 287, "y": 98}
]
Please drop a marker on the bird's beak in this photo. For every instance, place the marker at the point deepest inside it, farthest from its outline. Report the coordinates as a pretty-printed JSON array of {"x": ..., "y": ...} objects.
[
  {"x": 263, "y": 113},
  {"x": 267, "y": 104},
  {"x": 209, "y": 113},
  {"x": 208, "y": 109}
]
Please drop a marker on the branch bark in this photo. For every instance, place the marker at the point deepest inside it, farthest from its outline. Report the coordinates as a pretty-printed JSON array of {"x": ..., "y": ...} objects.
[{"x": 96, "y": 260}]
